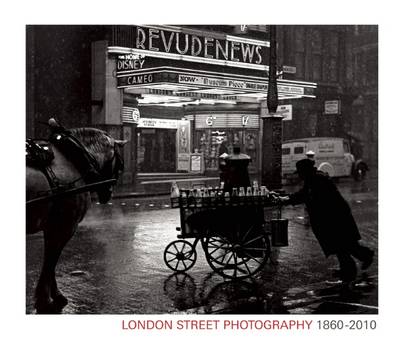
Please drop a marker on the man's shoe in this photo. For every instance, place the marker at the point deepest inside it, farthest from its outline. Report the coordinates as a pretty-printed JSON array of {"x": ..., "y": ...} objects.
[{"x": 366, "y": 264}]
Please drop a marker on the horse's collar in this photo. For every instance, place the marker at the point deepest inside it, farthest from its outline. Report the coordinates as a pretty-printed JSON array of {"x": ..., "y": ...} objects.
[{"x": 76, "y": 152}]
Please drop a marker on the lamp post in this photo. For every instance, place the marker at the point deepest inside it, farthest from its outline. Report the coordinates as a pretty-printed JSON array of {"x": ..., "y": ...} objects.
[{"x": 271, "y": 167}]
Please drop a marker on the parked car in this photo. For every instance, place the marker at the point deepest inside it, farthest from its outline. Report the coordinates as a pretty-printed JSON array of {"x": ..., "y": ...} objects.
[{"x": 332, "y": 155}]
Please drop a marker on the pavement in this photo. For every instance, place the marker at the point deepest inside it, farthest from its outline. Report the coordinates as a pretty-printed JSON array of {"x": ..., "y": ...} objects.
[{"x": 153, "y": 185}]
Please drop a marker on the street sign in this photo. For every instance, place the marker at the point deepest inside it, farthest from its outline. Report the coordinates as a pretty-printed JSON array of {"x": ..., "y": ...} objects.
[
  {"x": 289, "y": 69},
  {"x": 285, "y": 111},
  {"x": 332, "y": 107}
]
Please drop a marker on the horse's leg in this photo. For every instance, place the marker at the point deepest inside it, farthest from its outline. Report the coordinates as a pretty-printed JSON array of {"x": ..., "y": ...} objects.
[
  {"x": 59, "y": 300},
  {"x": 61, "y": 226},
  {"x": 48, "y": 298}
]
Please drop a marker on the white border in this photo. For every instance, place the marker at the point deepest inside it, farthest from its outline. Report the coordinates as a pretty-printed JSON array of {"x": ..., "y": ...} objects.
[{"x": 105, "y": 330}]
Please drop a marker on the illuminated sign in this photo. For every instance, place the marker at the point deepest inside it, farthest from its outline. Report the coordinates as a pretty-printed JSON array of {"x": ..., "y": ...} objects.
[
  {"x": 160, "y": 40},
  {"x": 219, "y": 82},
  {"x": 158, "y": 123},
  {"x": 209, "y": 120},
  {"x": 228, "y": 120},
  {"x": 129, "y": 62},
  {"x": 192, "y": 45},
  {"x": 236, "y": 84},
  {"x": 130, "y": 115},
  {"x": 136, "y": 79}
]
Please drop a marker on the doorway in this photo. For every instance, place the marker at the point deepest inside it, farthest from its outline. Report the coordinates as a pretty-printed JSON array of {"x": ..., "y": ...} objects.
[{"x": 156, "y": 151}]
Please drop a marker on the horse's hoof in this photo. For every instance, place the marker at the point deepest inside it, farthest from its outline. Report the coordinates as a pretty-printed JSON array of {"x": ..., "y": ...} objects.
[
  {"x": 48, "y": 310},
  {"x": 60, "y": 301},
  {"x": 49, "y": 307}
]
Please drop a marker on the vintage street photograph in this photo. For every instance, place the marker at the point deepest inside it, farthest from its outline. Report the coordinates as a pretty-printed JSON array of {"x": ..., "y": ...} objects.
[{"x": 176, "y": 169}]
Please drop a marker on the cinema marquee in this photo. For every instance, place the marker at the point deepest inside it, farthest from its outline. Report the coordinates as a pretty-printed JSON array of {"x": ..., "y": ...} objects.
[{"x": 194, "y": 46}]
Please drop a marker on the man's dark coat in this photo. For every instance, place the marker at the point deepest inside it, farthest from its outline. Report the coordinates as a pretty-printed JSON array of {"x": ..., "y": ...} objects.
[{"x": 330, "y": 215}]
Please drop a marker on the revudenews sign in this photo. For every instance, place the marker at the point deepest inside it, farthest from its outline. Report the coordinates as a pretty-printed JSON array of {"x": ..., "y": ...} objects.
[{"x": 161, "y": 42}]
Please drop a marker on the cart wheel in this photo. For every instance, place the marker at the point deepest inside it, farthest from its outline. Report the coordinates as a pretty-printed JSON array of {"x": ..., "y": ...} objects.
[
  {"x": 240, "y": 256},
  {"x": 180, "y": 255}
]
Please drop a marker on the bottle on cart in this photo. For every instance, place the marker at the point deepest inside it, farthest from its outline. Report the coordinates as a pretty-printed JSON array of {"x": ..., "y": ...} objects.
[
  {"x": 206, "y": 198},
  {"x": 256, "y": 191},
  {"x": 249, "y": 195},
  {"x": 212, "y": 198},
  {"x": 227, "y": 198},
  {"x": 184, "y": 199},
  {"x": 191, "y": 198},
  {"x": 264, "y": 194},
  {"x": 242, "y": 196},
  {"x": 255, "y": 188},
  {"x": 199, "y": 198},
  {"x": 234, "y": 196},
  {"x": 174, "y": 190}
]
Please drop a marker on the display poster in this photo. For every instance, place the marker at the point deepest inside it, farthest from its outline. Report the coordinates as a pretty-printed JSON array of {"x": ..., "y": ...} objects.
[{"x": 183, "y": 145}]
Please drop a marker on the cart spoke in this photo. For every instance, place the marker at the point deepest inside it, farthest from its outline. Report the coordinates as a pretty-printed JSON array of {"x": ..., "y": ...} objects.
[
  {"x": 222, "y": 255},
  {"x": 236, "y": 265},
  {"x": 184, "y": 264},
  {"x": 227, "y": 247},
  {"x": 253, "y": 258},
  {"x": 177, "y": 264},
  {"x": 183, "y": 247},
  {"x": 248, "y": 232},
  {"x": 254, "y": 239},
  {"x": 248, "y": 269}
]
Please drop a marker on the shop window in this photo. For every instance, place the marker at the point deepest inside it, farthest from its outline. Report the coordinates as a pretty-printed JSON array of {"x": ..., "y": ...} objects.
[
  {"x": 214, "y": 142},
  {"x": 285, "y": 151},
  {"x": 298, "y": 150},
  {"x": 156, "y": 150},
  {"x": 346, "y": 147}
]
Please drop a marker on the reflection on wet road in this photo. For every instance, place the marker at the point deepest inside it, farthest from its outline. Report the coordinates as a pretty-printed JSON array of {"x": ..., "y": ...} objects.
[{"x": 114, "y": 265}]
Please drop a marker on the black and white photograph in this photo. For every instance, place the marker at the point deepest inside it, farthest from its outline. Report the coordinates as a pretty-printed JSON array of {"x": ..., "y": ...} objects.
[
  {"x": 209, "y": 178},
  {"x": 230, "y": 169}
]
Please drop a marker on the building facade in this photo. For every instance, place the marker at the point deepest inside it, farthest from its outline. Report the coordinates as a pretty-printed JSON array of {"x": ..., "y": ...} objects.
[{"x": 182, "y": 95}]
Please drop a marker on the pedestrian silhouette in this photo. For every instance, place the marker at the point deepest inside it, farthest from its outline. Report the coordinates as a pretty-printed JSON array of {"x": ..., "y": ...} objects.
[{"x": 331, "y": 220}]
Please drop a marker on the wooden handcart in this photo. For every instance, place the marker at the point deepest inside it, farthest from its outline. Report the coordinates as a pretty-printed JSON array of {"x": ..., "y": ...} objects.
[{"x": 232, "y": 230}]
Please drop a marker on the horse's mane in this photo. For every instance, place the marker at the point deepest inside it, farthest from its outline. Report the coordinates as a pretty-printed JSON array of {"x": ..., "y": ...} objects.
[{"x": 96, "y": 141}]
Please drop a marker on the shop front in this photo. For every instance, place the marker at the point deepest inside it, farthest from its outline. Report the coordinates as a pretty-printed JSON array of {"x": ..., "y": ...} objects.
[
  {"x": 218, "y": 133},
  {"x": 216, "y": 81},
  {"x": 160, "y": 145}
]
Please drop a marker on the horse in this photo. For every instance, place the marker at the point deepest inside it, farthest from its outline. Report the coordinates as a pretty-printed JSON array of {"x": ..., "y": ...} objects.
[{"x": 58, "y": 218}]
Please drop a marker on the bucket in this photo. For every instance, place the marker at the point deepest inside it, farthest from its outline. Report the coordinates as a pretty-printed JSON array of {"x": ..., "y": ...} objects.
[{"x": 279, "y": 232}]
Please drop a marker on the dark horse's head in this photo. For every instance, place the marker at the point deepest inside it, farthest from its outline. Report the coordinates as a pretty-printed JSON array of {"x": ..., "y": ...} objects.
[{"x": 107, "y": 152}]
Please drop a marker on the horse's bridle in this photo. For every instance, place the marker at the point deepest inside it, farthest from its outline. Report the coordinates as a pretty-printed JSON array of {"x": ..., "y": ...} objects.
[{"x": 110, "y": 172}]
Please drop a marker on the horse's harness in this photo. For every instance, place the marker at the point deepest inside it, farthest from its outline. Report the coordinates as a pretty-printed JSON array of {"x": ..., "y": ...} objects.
[{"x": 40, "y": 156}]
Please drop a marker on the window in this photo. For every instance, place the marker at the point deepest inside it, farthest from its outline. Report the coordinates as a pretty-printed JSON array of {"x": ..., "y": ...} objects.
[
  {"x": 285, "y": 151},
  {"x": 346, "y": 147},
  {"x": 331, "y": 56},
  {"x": 298, "y": 150},
  {"x": 316, "y": 44},
  {"x": 299, "y": 37}
]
